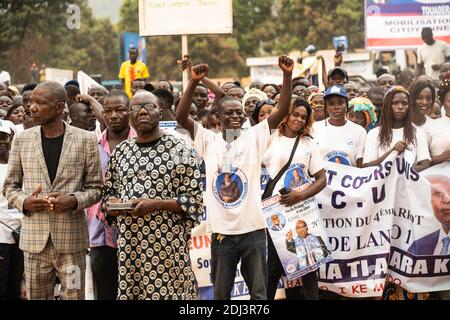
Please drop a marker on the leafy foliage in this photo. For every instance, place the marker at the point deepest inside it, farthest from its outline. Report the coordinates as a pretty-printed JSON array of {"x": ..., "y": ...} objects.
[
  {"x": 36, "y": 31},
  {"x": 220, "y": 52},
  {"x": 313, "y": 21}
]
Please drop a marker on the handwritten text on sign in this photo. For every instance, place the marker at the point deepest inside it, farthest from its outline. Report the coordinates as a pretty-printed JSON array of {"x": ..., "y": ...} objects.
[{"x": 177, "y": 17}]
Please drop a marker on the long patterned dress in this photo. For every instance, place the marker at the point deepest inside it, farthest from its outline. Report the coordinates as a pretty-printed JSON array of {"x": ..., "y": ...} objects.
[{"x": 153, "y": 250}]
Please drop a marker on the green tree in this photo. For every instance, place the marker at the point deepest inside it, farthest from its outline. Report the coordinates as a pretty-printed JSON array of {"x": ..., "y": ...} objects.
[
  {"x": 24, "y": 32},
  {"x": 37, "y": 31},
  {"x": 253, "y": 22},
  {"x": 302, "y": 22},
  {"x": 221, "y": 52},
  {"x": 261, "y": 28},
  {"x": 129, "y": 16}
]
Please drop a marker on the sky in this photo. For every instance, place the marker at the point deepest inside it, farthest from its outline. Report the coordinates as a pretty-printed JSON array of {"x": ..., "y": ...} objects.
[{"x": 106, "y": 9}]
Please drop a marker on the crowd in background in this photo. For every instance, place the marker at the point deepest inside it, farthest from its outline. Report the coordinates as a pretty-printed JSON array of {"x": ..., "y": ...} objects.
[{"x": 66, "y": 158}]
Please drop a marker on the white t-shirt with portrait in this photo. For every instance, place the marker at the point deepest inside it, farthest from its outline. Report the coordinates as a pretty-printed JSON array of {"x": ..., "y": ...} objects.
[
  {"x": 233, "y": 171},
  {"x": 374, "y": 151},
  {"x": 440, "y": 141},
  {"x": 8, "y": 214},
  {"x": 344, "y": 144},
  {"x": 434, "y": 54},
  {"x": 306, "y": 162}
]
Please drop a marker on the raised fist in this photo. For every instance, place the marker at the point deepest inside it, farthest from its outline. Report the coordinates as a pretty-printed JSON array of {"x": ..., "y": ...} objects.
[
  {"x": 186, "y": 63},
  {"x": 200, "y": 71},
  {"x": 286, "y": 64}
]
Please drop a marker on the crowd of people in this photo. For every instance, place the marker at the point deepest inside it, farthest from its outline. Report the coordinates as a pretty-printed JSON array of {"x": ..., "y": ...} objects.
[{"x": 95, "y": 171}]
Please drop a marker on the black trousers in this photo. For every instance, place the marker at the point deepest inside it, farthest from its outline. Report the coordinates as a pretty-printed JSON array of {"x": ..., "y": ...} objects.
[
  {"x": 105, "y": 272},
  {"x": 11, "y": 271},
  {"x": 310, "y": 289}
]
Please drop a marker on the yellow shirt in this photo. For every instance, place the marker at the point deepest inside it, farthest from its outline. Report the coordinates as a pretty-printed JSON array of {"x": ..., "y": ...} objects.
[{"x": 129, "y": 72}]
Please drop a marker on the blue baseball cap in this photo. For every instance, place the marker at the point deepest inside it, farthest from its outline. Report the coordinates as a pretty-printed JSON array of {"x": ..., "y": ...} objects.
[{"x": 335, "y": 91}]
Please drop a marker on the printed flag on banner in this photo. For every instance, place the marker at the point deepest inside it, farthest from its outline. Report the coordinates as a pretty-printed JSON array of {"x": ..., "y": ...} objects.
[{"x": 397, "y": 24}]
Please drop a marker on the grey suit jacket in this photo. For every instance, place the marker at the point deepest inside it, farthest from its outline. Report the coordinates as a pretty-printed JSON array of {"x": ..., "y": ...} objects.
[{"x": 79, "y": 173}]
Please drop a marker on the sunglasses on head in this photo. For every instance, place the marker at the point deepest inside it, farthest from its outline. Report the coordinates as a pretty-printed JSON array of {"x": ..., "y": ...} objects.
[{"x": 270, "y": 102}]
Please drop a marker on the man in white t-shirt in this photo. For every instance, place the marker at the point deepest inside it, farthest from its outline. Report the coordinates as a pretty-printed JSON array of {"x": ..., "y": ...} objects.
[
  {"x": 234, "y": 157},
  {"x": 431, "y": 54}
]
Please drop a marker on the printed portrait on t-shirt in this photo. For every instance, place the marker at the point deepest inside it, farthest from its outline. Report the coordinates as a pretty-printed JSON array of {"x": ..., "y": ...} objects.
[
  {"x": 230, "y": 188},
  {"x": 295, "y": 177},
  {"x": 338, "y": 157}
]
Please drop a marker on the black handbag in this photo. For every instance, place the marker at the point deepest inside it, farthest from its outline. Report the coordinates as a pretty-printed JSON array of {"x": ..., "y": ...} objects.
[
  {"x": 268, "y": 191},
  {"x": 15, "y": 232}
]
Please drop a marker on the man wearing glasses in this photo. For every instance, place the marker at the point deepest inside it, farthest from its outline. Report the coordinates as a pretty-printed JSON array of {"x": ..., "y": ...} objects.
[
  {"x": 310, "y": 249},
  {"x": 158, "y": 175},
  {"x": 437, "y": 242},
  {"x": 238, "y": 228}
]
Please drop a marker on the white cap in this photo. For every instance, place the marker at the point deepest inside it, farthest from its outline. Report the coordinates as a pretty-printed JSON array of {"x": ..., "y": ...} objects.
[{"x": 5, "y": 126}]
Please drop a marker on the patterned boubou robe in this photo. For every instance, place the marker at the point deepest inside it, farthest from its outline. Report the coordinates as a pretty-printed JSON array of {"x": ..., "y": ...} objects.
[{"x": 153, "y": 250}]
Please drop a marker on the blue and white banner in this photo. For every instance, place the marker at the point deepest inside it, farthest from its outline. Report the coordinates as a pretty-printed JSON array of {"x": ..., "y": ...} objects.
[
  {"x": 383, "y": 224},
  {"x": 132, "y": 40},
  {"x": 386, "y": 223},
  {"x": 397, "y": 24}
]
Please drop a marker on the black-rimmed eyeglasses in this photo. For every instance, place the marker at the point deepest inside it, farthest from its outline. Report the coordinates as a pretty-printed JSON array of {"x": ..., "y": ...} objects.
[{"x": 147, "y": 106}]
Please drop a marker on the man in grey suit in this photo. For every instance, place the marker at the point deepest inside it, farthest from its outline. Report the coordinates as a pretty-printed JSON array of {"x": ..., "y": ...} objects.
[{"x": 53, "y": 174}]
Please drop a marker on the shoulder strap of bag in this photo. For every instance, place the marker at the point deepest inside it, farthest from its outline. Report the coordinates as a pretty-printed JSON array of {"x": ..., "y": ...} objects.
[
  {"x": 271, "y": 184},
  {"x": 7, "y": 226}
]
